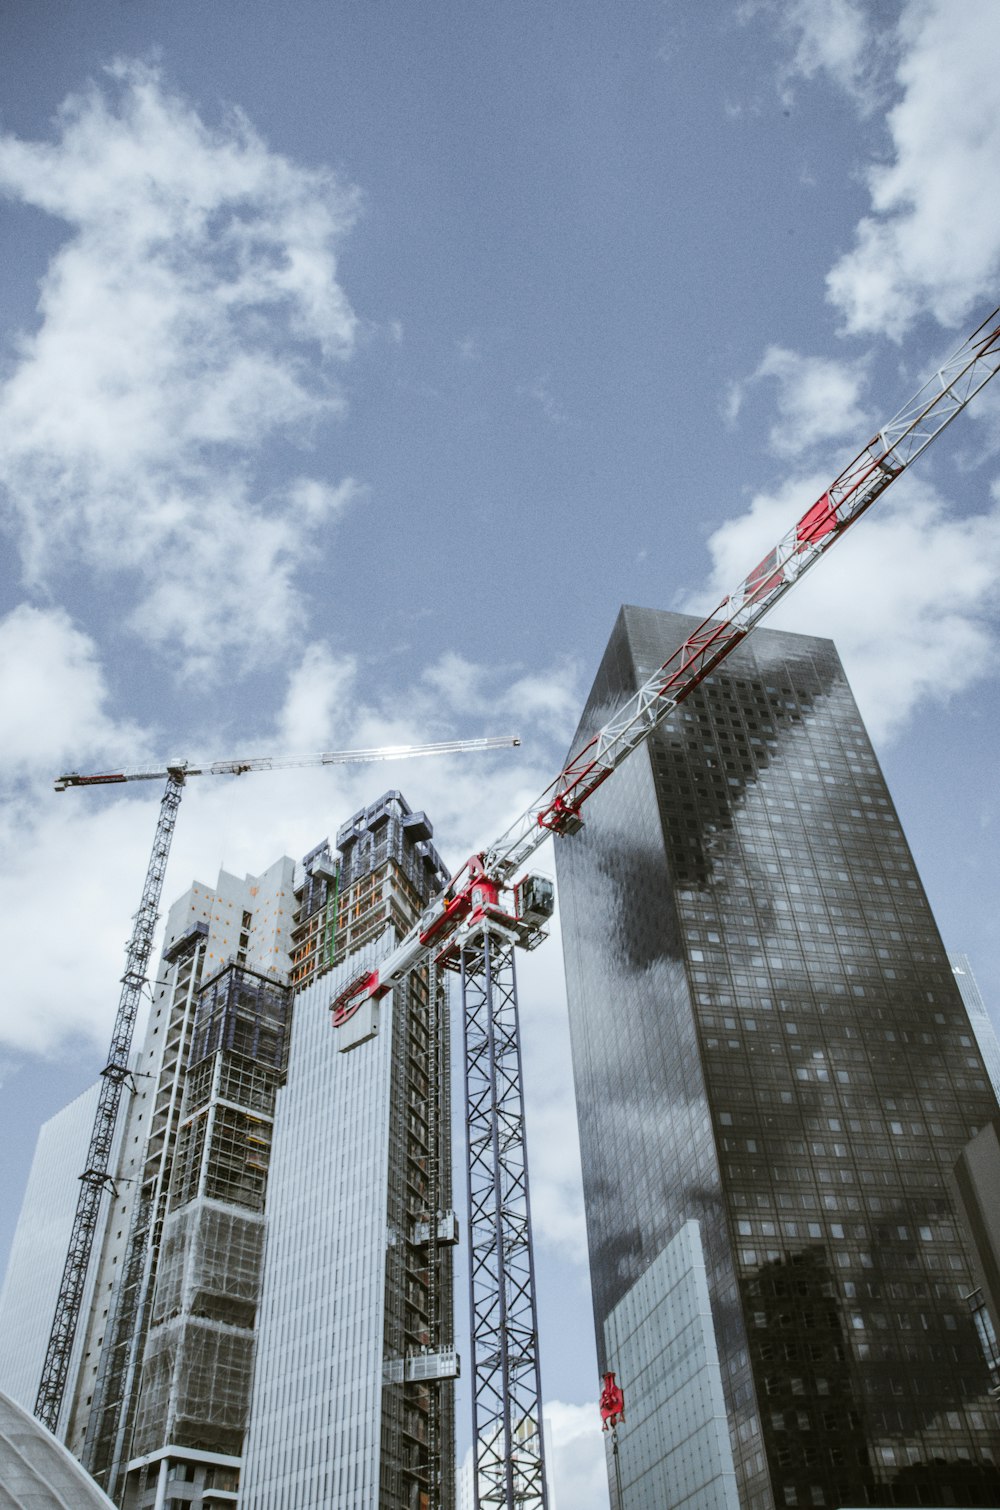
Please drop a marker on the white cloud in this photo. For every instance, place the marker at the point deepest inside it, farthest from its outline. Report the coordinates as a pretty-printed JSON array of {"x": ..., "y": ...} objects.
[
  {"x": 71, "y": 880},
  {"x": 832, "y": 37},
  {"x": 180, "y": 327},
  {"x": 548, "y": 699},
  {"x": 318, "y": 701},
  {"x": 574, "y": 1444},
  {"x": 575, "y": 1462},
  {"x": 817, "y": 399},
  {"x": 909, "y": 595},
  {"x": 550, "y": 1105},
  {"x": 225, "y": 578},
  {"x": 540, "y": 391},
  {"x": 88, "y": 849},
  {"x": 53, "y": 698},
  {"x": 932, "y": 241}
]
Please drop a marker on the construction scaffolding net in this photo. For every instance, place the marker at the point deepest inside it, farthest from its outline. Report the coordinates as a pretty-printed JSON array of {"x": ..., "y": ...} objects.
[
  {"x": 242, "y": 1012},
  {"x": 198, "y": 1362}
]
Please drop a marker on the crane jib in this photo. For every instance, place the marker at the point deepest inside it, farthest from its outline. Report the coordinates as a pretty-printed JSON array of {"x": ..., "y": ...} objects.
[{"x": 853, "y": 491}]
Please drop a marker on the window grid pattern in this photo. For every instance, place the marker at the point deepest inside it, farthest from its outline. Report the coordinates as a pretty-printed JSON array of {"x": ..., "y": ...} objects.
[{"x": 767, "y": 1037}]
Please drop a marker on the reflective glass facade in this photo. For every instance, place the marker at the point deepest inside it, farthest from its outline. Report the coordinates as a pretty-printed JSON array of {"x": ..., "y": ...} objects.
[
  {"x": 767, "y": 1039},
  {"x": 676, "y": 1450}
]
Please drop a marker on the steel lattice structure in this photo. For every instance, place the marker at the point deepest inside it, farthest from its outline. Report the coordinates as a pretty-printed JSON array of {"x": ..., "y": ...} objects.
[
  {"x": 476, "y": 896},
  {"x": 96, "y": 1177},
  {"x": 506, "y": 1383}
]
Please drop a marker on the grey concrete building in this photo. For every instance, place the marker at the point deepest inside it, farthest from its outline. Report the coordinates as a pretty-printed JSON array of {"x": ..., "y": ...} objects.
[
  {"x": 353, "y": 1392},
  {"x": 977, "y": 1180}
]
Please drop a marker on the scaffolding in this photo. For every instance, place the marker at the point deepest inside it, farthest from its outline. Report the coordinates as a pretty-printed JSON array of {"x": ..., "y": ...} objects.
[
  {"x": 177, "y": 1378},
  {"x": 180, "y": 1369},
  {"x": 112, "y": 1416},
  {"x": 198, "y": 1364},
  {"x": 419, "y": 1353},
  {"x": 241, "y": 1011},
  {"x": 388, "y": 872}
]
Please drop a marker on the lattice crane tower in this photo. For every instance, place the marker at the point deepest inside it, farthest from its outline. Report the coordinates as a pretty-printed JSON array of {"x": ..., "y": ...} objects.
[
  {"x": 486, "y": 911},
  {"x": 96, "y": 1177}
]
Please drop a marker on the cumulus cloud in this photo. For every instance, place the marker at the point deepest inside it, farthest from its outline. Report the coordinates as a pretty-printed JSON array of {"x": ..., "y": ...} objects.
[
  {"x": 575, "y": 1463},
  {"x": 550, "y": 1106},
  {"x": 548, "y": 698},
  {"x": 841, "y": 40},
  {"x": 908, "y": 595},
  {"x": 931, "y": 243},
  {"x": 54, "y": 698},
  {"x": 316, "y": 709},
  {"x": 574, "y": 1443},
  {"x": 70, "y": 883},
  {"x": 97, "y": 842},
  {"x": 191, "y": 315},
  {"x": 817, "y": 399},
  {"x": 831, "y": 37}
]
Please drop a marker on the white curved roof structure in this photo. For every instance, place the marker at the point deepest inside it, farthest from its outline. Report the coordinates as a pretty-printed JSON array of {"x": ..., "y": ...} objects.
[{"x": 36, "y": 1471}]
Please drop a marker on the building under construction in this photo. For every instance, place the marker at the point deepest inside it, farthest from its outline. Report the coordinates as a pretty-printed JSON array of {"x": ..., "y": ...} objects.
[
  {"x": 249, "y": 1134},
  {"x": 353, "y": 1395}
]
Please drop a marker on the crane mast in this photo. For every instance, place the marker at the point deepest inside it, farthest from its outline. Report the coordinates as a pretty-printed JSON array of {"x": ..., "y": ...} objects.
[
  {"x": 473, "y": 929},
  {"x": 96, "y": 1177}
]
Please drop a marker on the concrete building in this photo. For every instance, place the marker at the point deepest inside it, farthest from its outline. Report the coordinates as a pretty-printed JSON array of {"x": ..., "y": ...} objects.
[
  {"x": 159, "y": 1402},
  {"x": 774, "y": 1076},
  {"x": 169, "y": 1383},
  {"x": 977, "y": 1180},
  {"x": 353, "y": 1392}
]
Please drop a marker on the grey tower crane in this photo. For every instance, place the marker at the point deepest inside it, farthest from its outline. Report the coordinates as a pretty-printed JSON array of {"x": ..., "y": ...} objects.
[{"x": 96, "y": 1177}]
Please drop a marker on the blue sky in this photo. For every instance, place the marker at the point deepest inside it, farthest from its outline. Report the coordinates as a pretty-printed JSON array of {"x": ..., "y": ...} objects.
[{"x": 358, "y": 361}]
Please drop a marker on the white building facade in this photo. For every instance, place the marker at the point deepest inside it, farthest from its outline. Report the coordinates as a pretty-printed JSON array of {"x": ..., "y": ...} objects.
[
  {"x": 352, "y": 1405},
  {"x": 37, "y": 1255}
]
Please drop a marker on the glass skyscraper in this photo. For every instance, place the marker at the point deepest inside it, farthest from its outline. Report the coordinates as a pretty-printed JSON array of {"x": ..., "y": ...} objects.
[{"x": 775, "y": 1075}]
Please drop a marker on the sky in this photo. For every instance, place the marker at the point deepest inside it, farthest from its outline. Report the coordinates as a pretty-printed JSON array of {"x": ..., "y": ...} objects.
[{"x": 358, "y": 361}]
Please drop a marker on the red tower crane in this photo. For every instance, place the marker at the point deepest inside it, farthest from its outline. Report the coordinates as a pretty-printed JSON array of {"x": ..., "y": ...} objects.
[
  {"x": 96, "y": 1176},
  {"x": 490, "y": 907}
]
